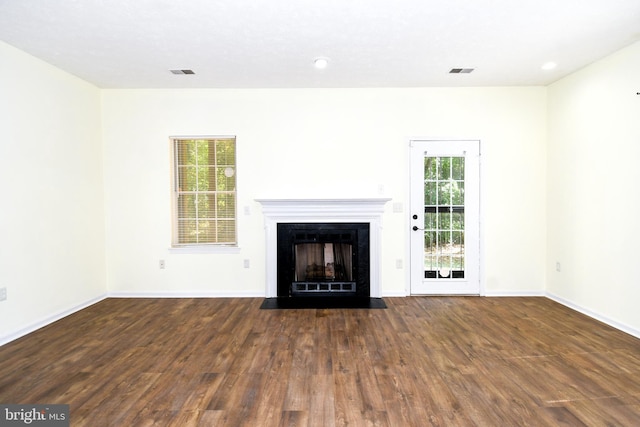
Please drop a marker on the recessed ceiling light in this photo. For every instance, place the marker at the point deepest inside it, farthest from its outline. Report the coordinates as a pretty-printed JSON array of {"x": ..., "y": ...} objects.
[
  {"x": 548, "y": 66},
  {"x": 321, "y": 63}
]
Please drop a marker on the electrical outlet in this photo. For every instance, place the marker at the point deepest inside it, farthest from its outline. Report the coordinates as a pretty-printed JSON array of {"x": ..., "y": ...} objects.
[
  {"x": 399, "y": 263},
  {"x": 247, "y": 263},
  {"x": 3, "y": 294},
  {"x": 161, "y": 264},
  {"x": 558, "y": 267}
]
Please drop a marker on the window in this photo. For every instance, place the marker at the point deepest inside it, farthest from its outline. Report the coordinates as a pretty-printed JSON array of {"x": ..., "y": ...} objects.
[{"x": 204, "y": 191}]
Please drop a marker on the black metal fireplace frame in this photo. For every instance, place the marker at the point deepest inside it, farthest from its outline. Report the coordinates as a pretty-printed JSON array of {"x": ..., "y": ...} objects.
[{"x": 288, "y": 234}]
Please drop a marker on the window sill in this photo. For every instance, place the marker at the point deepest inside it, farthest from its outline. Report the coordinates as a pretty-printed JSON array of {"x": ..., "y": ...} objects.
[{"x": 204, "y": 249}]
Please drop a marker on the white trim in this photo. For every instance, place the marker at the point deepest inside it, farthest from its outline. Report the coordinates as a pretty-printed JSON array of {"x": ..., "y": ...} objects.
[
  {"x": 205, "y": 136},
  {"x": 498, "y": 294},
  {"x": 473, "y": 283},
  {"x": 48, "y": 320},
  {"x": 613, "y": 323},
  {"x": 365, "y": 210},
  {"x": 204, "y": 249},
  {"x": 330, "y": 209},
  {"x": 396, "y": 294},
  {"x": 407, "y": 219},
  {"x": 185, "y": 294}
]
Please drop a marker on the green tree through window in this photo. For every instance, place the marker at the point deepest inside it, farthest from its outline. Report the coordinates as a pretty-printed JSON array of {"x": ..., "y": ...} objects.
[{"x": 444, "y": 216}]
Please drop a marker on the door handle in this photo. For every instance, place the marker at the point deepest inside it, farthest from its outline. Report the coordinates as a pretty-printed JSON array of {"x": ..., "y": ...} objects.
[{"x": 416, "y": 228}]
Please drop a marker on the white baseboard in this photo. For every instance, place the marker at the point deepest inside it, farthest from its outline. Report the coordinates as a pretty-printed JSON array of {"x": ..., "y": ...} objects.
[
  {"x": 185, "y": 294},
  {"x": 394, "y": 294},
  {"x": 485, "y": 294},
  {"x": 614, "y": 324},
  {"x": 514, "y": 294},
  {"x": 48, "y": 320}
]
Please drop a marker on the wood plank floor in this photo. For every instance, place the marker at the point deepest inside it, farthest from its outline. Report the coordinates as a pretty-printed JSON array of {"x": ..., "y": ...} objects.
[{"x": 441, "y": 361}]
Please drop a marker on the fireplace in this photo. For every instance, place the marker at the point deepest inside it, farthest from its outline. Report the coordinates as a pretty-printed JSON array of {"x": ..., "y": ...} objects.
[
  {"x": 364, "y": 212},
  {"x": 323, "y": 260}
]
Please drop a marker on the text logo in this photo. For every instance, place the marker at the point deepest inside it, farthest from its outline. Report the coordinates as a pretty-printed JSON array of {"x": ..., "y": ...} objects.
[{"x": 34, "y": 415}]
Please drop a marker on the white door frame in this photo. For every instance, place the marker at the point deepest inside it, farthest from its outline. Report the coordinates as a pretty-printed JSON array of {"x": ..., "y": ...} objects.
[{"x": 443, "y": 148}]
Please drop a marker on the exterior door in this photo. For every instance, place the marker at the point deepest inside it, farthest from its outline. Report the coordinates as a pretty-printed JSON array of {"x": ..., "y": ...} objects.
[{"x": 445, "y": 217}]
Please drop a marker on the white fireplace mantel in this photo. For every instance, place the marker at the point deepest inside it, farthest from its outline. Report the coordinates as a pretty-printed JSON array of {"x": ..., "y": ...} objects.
[{"x": 364, "y": 210}]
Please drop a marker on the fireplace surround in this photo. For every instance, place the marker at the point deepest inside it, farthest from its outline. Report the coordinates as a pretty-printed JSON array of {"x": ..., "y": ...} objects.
[
  {"x": 323, "y": 259},
  {"x": 365, "y": 211}
]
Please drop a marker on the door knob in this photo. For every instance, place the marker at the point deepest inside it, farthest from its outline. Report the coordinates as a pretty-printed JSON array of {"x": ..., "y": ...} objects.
[{"x": 416, "y": 228}]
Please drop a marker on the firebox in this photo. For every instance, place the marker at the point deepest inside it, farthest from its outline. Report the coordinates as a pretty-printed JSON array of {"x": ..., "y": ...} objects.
[{"x": 323, "y": 260}]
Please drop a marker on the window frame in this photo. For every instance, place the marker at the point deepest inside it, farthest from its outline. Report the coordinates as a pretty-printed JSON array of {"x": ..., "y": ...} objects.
[{"x": 207, "y": 246}]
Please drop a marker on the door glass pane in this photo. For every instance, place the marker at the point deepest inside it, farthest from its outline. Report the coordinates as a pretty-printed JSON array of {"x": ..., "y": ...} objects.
[
  {"x": 430, "y": 220},
  {"x": 429, "y": 168},
  {"x": 457, "y": 219},
  {"x": 457, "y": 168},
  {"x": 457, "y": 193},
  {"x": 430, "y": 254},
  {"x": 444, "y": 218},
  {"x": 430, "y": 194},
  {"x": 444, "y": 193},
  {"x": 444, "y": 221},
  {"x": 443, "y": 168},
  {"x": 457, "y": 250}
]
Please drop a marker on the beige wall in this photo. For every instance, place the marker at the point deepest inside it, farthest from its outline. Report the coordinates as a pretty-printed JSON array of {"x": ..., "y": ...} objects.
[
  {"x": 52, "y": 211},
  {"x": 319, "y": 142},
  {"x": 594, "y": 147}
]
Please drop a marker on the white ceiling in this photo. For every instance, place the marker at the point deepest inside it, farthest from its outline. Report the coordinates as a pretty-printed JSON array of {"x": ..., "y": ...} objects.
[{"x": 272, "y": 43}]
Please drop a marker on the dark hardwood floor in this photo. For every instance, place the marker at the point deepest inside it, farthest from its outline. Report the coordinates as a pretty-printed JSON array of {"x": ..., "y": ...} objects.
[{"x": 442, "y": 361}]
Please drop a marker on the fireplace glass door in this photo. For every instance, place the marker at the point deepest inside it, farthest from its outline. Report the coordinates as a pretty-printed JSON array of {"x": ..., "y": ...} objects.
[{"x": 323, "y": 267}]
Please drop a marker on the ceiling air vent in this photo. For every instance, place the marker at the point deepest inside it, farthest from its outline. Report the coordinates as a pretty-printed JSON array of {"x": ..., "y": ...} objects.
[
  {"x": 182, "y": 72},
  {"x": 461, "y": 70}
]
